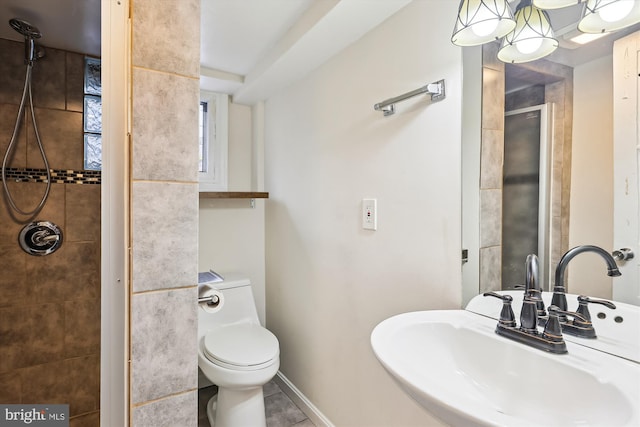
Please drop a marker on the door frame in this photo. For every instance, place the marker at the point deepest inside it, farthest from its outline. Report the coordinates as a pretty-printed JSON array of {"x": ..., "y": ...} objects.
[{"x": 114, "y": 295}]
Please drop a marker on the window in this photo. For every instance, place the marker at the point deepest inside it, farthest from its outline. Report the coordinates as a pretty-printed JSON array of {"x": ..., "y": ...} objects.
[
  {"x": 213, "y": 124},
  {"x": 92, "y": 115}
]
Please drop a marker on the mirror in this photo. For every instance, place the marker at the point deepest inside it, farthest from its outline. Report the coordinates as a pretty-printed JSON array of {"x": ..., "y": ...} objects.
[{"x": 576, "y": 86}]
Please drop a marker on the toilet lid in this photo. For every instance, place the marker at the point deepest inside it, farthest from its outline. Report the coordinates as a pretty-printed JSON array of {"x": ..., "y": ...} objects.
[{"x": 241, "y": 345}]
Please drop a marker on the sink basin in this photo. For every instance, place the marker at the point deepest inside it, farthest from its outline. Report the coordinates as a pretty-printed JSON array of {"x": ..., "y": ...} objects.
[
  {"x": 618, "y": 330},
  {"x": 455, "y": 365}
]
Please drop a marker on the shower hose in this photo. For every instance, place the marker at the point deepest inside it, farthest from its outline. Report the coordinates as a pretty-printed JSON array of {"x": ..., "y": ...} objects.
[{"x": 26, "y": 91}]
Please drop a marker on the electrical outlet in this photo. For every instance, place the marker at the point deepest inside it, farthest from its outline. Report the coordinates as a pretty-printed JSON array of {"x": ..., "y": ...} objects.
[{"x": 369, "y": 214}]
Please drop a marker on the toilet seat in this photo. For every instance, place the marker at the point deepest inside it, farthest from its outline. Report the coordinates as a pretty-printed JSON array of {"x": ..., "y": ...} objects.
[{"x": 243, "y": 346}]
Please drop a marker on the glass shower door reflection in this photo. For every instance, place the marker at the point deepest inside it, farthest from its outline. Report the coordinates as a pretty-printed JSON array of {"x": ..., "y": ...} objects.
[{"x": 525, "y": 193}]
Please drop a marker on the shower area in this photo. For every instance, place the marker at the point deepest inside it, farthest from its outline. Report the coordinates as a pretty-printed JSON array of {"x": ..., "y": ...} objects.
[
  {"x": 525, "y": 168},
  {"x": 49, "y": 226},
  {"x": 525, "y": 192}
]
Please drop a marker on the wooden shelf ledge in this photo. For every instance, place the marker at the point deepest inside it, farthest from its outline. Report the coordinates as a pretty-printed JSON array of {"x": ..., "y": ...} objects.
[{"x": 234, "y": 195}]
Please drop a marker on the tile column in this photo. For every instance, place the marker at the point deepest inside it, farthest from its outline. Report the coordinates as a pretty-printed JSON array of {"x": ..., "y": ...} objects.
[{"x": 164, "y": 212}]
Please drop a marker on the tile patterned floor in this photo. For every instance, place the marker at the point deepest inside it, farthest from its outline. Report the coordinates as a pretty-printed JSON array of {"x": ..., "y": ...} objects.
[{"x": 280, "y": 410}]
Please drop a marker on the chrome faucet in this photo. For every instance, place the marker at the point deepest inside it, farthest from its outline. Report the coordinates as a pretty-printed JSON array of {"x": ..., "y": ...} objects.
[{"x": 559, "y": 298}]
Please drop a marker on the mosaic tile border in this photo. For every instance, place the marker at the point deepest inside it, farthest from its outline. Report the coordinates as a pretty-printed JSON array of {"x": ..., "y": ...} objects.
[{"x": 58, "y": 176}]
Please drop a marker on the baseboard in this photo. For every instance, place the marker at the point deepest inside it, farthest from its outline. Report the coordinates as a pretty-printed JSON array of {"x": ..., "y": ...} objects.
[{"x": 305, "y": 405}]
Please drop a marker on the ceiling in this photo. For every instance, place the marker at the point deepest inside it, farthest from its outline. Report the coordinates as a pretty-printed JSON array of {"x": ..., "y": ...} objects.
[
  {"x": 251, "y": 48},
  {"x": 72, "y": 25}
]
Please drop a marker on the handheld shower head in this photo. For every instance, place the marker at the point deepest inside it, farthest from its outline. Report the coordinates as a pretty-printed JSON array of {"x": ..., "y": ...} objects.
[
  {"x": 24, "y": 28},
  {"x": 30, "y": 33}
]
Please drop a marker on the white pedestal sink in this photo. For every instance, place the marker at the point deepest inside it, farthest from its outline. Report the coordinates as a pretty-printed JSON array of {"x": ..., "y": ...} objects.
[{"x": 454, "y": 365}]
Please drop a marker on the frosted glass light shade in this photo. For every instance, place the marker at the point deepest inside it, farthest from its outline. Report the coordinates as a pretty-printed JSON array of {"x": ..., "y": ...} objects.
[
  {"x": 602, "y": 16},
  {"x": 482, "y": 21},
  {"x": 532, "y": 38}
]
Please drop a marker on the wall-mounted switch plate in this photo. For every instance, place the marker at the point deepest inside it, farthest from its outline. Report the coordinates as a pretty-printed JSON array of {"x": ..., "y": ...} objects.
[{"x": 369, "y": 214}]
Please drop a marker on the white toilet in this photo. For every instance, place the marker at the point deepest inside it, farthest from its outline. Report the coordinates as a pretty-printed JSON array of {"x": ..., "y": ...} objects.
[{"x": 235, "y": 353}]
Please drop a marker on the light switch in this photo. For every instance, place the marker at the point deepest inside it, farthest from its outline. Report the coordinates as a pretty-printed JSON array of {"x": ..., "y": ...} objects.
[{"x": 369, "y": 214}]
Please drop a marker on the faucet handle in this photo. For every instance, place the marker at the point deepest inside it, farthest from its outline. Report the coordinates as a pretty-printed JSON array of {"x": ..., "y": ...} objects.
[
  {"x": 507, "y": 318},
  {"x": 508, "y": 298},
  {"x": 583, "y": 308},
  {"x": 576, "y": 316},
  {"x": 552, "y": 329}
]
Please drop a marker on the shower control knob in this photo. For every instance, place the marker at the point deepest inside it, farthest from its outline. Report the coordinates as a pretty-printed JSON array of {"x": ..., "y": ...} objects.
[{"x": 40, "y": 238}]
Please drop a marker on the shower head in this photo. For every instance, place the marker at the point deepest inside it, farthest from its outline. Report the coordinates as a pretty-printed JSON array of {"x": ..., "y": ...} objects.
[
  {"x": 30, "y": 33},
  {"x": 24, "y": 28}
]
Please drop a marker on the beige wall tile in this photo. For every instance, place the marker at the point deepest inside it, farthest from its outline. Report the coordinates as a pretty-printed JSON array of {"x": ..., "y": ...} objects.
[
  {"x": 75, "y": 82},
  {"x": 8, "y": 116},
  {"x": 165, "y": 235},
  {"x": 177, "y": 410},
  {"x": 164, "y": 142},
  {"x": 12, "y": 338},
  {"x": 12, "y": 71},
  {"x": 83, "y": 212},
  {"x": 490, "y": 56},
  {"x": 81, "y": 327},
  {"x": 53, "y": 271},
  {"x": 83, "y": 273},
  {"x": 48, "y": 83},
  {"x": 167, "y": 37},
  {"x": 30, "y": 335},
  {"x": 492, "y": 99},
  {"x": 490, "y": 217},
  {"x": 14, "y": 283},
  {"x": 44, "y": 337},
  {"x": 70, "y": 273},
  {"x": 83, "y": 384},
  {"x": 47, "y": 382},
  {"x": 10, "y": 388},
  {"x": 490, "y": 269},
  {"x": 555, "y": 92},
  {"x": 164, "y": 344},
  {"x": 491, "y": 159},
  {"x": 61, "y": 135}
]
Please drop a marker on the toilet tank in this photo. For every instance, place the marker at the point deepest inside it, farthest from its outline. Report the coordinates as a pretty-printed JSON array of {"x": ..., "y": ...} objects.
[{"x": 238, "y": 304}]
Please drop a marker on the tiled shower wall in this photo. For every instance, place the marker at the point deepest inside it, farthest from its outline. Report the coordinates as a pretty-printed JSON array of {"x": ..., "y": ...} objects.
[{"x": 50, "y": 306}]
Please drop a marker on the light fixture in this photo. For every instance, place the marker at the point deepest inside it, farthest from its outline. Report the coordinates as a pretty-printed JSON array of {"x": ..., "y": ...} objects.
[
  {"x": 601, "y": 16},
  {"x": 532, "y": 38},
  {"x": 555, "y": 4},
  {"x": 482, "y": 21}
]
